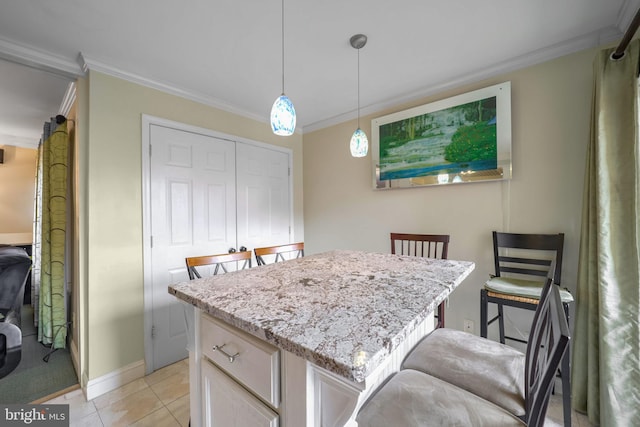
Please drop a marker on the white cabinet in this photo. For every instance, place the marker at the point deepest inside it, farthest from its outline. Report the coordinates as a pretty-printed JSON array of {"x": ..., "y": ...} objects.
[
  {"x": 227, "y": 404},
  {"x": 250, "y": 361},
  {"x": 240, "y": 377}
]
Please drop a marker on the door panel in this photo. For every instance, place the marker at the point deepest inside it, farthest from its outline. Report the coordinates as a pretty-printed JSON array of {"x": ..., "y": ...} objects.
[
  {"x": 207, "y": 195},
  {"x": 264, "y": 206},
  {"x": 193, "y": 213}
]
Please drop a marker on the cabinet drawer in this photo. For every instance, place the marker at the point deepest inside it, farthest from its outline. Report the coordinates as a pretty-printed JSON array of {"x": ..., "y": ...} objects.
[
  {"x": 253, "y": 362},
  {"x": 225, "y": 403}
]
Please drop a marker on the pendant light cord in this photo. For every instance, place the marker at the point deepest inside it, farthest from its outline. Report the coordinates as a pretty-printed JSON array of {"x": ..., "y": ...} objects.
[
  {"x": 358, "y": 88},
  {"x": 282, "y": 22}
]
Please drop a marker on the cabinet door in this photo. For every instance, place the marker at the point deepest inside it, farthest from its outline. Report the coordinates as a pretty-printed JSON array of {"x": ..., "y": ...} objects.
[{"x": 227, "y": 404}]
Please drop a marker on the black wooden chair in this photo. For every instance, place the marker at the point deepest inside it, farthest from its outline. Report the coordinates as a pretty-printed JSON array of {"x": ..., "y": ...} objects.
[
  {"x": 464, "y": 387},
  {"x": 281, "y": 252},
  {"x": 522, "y": 262},
  {"x": 215, "y": 264},
  {"x": 423, "y": 245}
]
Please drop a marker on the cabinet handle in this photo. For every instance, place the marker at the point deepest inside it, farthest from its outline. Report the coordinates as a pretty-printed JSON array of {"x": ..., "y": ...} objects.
[{"x": 227, "y": 355}]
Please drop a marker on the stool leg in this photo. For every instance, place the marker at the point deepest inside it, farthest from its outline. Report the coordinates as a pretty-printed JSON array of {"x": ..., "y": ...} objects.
[
  {"x": 566, "y": 378},
  {"x": 483, "y": 313},
  {"x": 440, "y": 315},
  {"x": 501, "y": 322}
]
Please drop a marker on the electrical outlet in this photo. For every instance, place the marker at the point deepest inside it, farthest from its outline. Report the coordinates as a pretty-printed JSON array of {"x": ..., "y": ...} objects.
[{"x": 468, "y": 326}]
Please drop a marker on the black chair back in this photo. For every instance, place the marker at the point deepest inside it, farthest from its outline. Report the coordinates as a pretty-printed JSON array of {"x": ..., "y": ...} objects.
[
  {"x": 529, "y": 259},
  {"x": 548, "y": 342}
]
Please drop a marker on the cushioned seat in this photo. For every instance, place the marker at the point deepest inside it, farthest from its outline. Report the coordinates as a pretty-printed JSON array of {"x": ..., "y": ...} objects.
[
  {"x": 413, "y": 398},
  {"x": 518, "y": 383},
  {"x": 521, "y": 288},
  {"x": 521, "y": 261},
  {"x": 495, "y": 372}
]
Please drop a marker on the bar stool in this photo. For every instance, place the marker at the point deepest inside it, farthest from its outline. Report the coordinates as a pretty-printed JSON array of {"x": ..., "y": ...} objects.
[
  {"x": 521, "y": 262},
  {"x": 293, "y": 250},
  {"x": 424, "y": 245},
  {"x": 216, "y": 263},
  {"x": 417, "y": 397}
]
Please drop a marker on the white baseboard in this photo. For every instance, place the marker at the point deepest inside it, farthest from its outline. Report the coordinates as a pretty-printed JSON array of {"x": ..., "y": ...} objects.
[{"x": 111, "y": 381}]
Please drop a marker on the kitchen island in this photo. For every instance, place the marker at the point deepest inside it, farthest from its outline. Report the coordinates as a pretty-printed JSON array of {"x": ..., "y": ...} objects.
[{"x": 304, "y": 342}]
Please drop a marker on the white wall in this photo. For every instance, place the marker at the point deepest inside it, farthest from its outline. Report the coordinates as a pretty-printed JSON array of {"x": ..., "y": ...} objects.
[{"x": 550, "y": 122}]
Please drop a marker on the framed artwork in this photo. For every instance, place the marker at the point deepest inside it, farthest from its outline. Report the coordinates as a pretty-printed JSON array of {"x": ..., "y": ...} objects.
[{"x": 465, "y": 138}]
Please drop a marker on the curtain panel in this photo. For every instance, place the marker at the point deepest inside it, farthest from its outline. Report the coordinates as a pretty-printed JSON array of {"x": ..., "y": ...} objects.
[
  {"x": 51, "y": 241},
  {"x": 606, "y": 363}
]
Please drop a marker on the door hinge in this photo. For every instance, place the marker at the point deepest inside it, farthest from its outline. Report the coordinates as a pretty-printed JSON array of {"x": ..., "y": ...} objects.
[
  {"x": 150, "y": 150},
  {"x": 153, "y": 332},
  {"x": 152, "y": 241}
]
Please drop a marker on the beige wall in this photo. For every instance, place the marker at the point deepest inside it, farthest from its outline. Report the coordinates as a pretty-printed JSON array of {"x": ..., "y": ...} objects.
[
  {"x": 111, "y": 222},
  {"x": 17, "y": 184},
  {"x": 550, "y": 121}
]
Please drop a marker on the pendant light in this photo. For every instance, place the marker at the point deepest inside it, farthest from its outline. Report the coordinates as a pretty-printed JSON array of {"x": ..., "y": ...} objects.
[
  {"x": 283, "y": 115},
  {"x": 359, "y": 143}
]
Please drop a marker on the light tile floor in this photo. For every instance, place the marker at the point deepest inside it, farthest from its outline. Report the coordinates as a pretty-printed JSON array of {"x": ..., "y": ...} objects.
[
  {"x": 162, "y": 399},
  {"x": 555, "y": 414},
  {"x": 157, "y": 400}
]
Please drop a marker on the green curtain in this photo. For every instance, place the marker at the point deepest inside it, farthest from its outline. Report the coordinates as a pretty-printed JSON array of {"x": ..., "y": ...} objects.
[
  {"x": 52, "y": 303},
  {"x": 606, "y": 362}
]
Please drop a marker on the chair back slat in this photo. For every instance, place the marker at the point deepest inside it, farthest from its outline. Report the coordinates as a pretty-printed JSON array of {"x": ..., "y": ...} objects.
[
  {"x": 524, "y": 271},
  {"x": 217, "y": 262},
  {"x": 292, "y": 250},
  {"x": 420, "y": 245},
  {"x": 519, "y": 253},
  {"x": 548, "y": 342},
  {"x": 425, "y": 246}
]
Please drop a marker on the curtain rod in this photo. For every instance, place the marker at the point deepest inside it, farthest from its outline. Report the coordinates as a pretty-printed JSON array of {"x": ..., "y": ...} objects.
[{"x": 633, "y": 27}]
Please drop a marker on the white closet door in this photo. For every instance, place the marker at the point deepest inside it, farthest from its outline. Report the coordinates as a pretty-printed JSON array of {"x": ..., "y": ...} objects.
[
  {"x": 193, "y": 212},
  {"x": 263, "y": 201}
]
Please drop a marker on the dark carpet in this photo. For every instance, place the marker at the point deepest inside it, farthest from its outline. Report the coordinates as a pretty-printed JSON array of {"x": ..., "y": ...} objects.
[{"x": 34, "y": 378}]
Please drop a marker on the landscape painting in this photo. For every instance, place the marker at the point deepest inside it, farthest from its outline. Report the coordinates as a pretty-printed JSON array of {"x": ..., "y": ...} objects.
[{"x": 461, "y": 139}]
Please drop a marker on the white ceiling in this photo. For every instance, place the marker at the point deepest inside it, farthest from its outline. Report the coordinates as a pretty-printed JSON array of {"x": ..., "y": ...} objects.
[{"x": 227, "y": 53}]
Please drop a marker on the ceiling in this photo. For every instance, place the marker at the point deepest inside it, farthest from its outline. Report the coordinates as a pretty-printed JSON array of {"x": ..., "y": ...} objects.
[{"x": 228, "y": 53}]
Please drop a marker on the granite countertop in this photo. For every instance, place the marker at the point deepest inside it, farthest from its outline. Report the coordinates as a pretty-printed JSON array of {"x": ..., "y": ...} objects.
[{"x": 330, "y": 306}]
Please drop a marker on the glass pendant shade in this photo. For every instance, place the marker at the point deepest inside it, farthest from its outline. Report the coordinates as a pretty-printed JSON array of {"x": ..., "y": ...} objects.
[
  {"x": 283, "y": 116},
  {"x": 359, "y": 143}
]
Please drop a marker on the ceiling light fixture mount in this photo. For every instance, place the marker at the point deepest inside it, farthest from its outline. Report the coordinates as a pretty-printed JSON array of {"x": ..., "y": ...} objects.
[
  {"x": 359, "y": 143},
  {"x": 283, "y": 115}
]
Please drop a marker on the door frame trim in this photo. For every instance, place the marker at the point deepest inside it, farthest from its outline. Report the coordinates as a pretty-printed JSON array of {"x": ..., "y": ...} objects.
[{"x": 147, "y": 121}]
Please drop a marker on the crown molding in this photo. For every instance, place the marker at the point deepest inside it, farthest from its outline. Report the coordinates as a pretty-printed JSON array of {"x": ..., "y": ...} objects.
[
  {"x": 93, "y": 65},
  {"x": 594, "y": 39},
  {"x": 68, "y": 99},
  {"x": 35, "y": 58}
]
